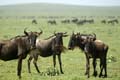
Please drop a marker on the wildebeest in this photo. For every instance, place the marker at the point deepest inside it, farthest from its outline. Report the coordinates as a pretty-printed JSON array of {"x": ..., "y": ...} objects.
[
  {"x": 103, "y": 21},
  {"x": 48, "y": 47},
  {"x": 92, "y": 48},
  {"x": 81, "y": 22},
  {"x": 34, "y": 21},
  {"x": 65, "y": 21},
  {"x": 90, "y": 21},
  {"x": 113, "y": 21},
  {"x": 75, "y": 20},
  {"x": 17, "y": 48},
  {"x": 52, "y": 22}
]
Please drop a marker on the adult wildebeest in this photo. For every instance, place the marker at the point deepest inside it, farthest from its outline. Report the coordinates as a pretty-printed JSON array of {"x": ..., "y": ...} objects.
[
  {"x": 17, "y": 48},
  {"x": 52, "y": 22},
  {"x": 34, "y": 21},
  {"x": 103, "y": 21},
  {"x": 113, "y": 21},
  {"x": 47, "y": 47},
  {"x": 93, "y": 49},
  {"x": 80, "y": 22},
  {"x": 90, "y": 21},
  {"x": 65, "y": 21},
  {"x": 75, "y": 20}
]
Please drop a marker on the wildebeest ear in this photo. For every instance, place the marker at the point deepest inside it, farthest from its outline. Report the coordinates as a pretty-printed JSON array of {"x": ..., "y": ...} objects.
[
  {"x": 40, "y": 31},
  {"x": 25, "y": 32}
]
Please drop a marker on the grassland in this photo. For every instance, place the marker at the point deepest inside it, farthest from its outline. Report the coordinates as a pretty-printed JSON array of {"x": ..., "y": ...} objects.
[{"x": 73, "y": 61}]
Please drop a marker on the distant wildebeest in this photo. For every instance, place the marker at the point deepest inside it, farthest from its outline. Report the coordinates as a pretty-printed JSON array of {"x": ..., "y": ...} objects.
[
  {"x": 65, "y": 21},
  {"x": 34, "y": 21},
  {"x": 92, "y": 48},
  {"x": 113, "y": 21},
  {"x": 74, "y": 20},
  {"x": 103, "y": 21},
  {"x": 18, "y": 48},
  {"x": 90, "y": 21},
  {"x": 48, "y": 47},
  {"x": 81, "y": 22},
  {"x": 52, "y": 22}
]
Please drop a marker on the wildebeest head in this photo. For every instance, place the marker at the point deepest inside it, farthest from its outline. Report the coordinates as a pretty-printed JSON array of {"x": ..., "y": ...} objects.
[
  {"x": 74, "y": 39},
  {"x": 59, "y": 38},
  {"x": 32, "y": 36},
  {"x": 79, "y": 40}
]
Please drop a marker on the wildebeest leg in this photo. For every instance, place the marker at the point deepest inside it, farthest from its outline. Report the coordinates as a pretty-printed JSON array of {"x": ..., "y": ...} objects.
[
  {"x": 104, "y": 66},
  {"x": 29, "y": 60},
  {"x": 87, "y": 66},
  {"x": 94, "y": 67},
  {"x": 35, "y": 62},
  {"x": 60, "y": 63},
  {"x": 19, "y": 67},
  {"x": 54, "y": 60},
  {"x": 101, "y": 67}
]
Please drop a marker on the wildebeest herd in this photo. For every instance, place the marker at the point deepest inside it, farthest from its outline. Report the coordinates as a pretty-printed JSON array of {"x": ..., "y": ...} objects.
[
  {"x": 80, "y": 21},
  {"x": 20, "y": 46},
  {"x": 113, "y": 21}
]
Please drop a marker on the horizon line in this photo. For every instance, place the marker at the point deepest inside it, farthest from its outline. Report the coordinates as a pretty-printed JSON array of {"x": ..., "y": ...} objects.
[{"x": 57, "y": 3}]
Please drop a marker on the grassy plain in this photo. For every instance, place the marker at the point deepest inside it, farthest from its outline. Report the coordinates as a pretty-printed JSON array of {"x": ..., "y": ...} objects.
[{"x": 73, "y": 61}]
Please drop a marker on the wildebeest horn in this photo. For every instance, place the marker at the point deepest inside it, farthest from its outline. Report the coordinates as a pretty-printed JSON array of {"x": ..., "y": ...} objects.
[
  {"x": 40, "y": 31},
  {"x": 25, "y": 32},
  {"x": 94, "y": 36},
  {"x": 65, "y": 33}
]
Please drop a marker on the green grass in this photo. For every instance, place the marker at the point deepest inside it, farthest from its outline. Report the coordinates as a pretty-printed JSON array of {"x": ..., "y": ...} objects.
[{"x": 73, "y": 61}]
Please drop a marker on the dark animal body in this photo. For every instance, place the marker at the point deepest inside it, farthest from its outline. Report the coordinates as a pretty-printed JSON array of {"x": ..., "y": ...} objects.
[
  {"x": 65, "y": 21},
  {"x": 17, "y": 48},
  {"x": 75, "y": 20},
  {"x": 103, "y": 21},
  {"x": 93, "y": 49},
  {"x": 81, "y": 22},
  {"x": 52, "y": 22},
  {"x": 48, "y": 47},
  {"x": 113, "y": 21},
  {"x": 34, "y": 21}
]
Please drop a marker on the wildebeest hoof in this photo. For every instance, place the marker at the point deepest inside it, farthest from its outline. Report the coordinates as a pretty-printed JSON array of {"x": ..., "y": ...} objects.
[
  {"x": 105, "y": 76},
  {"x": 29, "y": 72},
  {"x": 62, "y": 72},
  {"x": 100, "y": 75},
  {"x": 95, "y": 73},
  {"x": 39, "y": 72},
  {"x": 86, "y": 73},
  {"x": 88, "y": 76},
  {"x": 19, "y": 77}
]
